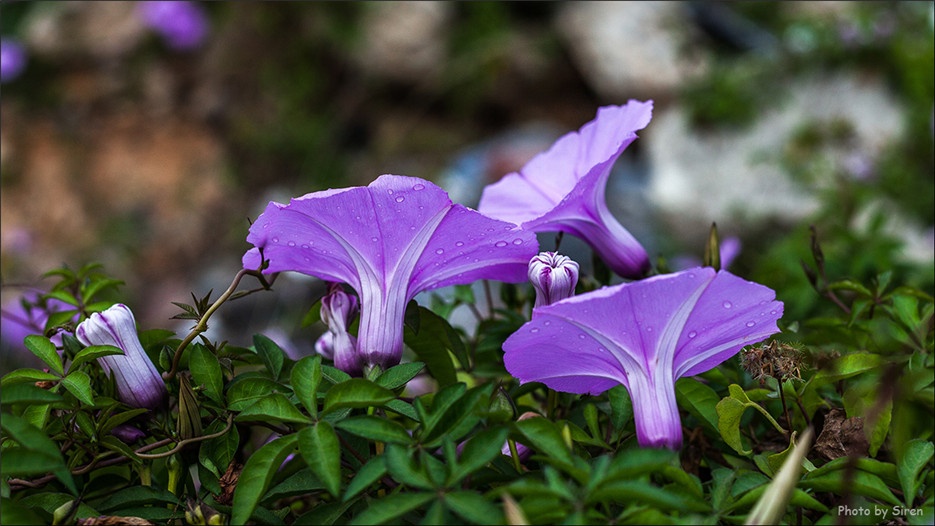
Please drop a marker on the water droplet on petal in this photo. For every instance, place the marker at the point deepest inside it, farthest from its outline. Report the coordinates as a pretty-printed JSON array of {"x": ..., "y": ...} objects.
[
  {"x": 692, "y": 276},
  {"x": 459, "y": 244},
  {"x": 275, "y": 240},
  {"x": 751, "y": 323},
  {"x": 500, "y": 244},
  {"x": 374, "y": 239},
  {"x": 692, "y": 334},
  {"x": 649, "y": 329},
  {"x": 291, "y": 243},
  {"x": 390, "y": 191},
  {"x": 534, "y": 329},
  {"x": 418, "y": 187},
  {"x": 440, "y": 251},
  {"x": 304, "y": 245},
  {"x": 517, "y": 241},
  {"x": 772, "y": 312},
  {"x": 400, "y": 199},
  {"x": 728, "y": 305},
  {"x": 547, "y": 323},
  {"x": 582, "y": 336}
]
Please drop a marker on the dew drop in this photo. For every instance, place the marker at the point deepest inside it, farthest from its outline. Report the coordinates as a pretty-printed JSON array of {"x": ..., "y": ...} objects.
[
  {"x": 275, "y": 240},
  {"x": 304, "y": 245},
  {"x": 418, "y": 187},
  {"x": 291, "y": 243},
  {"x": 772, "y": 312},
  {"x": 358, "y": 218},
  {"x": 306, "y": 258},
  {"x": 517, "y": 241},
  {"x": 582, "y": 336},
  {"x": 500, "y": 244},
  {"x": 400, "y": 199},
  {"x": 534, "y": 329},
  {"x": 547, "y": 322},
  {"x": 728, "y": 305},
  {"x": 649, "y": 329},
  {"x": 459, "y": 244},
  {"x": 374, "y": 239},
  {"x": 390, "y": 191},
  {"x": 692, "y": 334},
  {"x": 751, "y": 323},
  {"x": 440, "y": 251},
  {"x": 692, "y": 276}
]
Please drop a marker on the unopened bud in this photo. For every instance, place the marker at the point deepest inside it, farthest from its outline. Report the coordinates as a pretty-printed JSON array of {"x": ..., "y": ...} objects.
[
  {"x": 337, "y": 310},
  {"x": 554, "y": 277}
]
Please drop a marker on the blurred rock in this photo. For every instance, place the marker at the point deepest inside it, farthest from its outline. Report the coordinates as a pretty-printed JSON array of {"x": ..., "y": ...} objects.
[
  {"x": 405, "y": 40},
  {"x": 733, "y": 176},
  {"x": 630, "y": 49},
  {"x": 59, "y": 31}
]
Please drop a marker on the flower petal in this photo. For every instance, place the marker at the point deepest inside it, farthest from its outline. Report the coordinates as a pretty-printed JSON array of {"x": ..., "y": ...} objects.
[{"x": 563, "y": 189}]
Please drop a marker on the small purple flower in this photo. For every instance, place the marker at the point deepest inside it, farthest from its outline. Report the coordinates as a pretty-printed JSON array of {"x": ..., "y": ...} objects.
[
  {"x": 182, "y": 24},
  {"x": 730, "y": 248},
  {"x": 644, "y": 335},
  {"x": 13, "y": 59},
  {"x": 127, "y": 433},
  {"x": 138, "y": 382},
  {"x": 554, "y": 277},
  {"x": 28, "y": 315},
  {"x": 389, "y": 241},
  {"x": 337, "y": 310},
  {"x": 563, "y": 189}
]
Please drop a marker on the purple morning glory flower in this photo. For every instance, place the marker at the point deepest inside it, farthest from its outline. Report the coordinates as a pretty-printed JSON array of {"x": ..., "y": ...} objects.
[
  {"x": 139, "y": 384},
  {"x": 12, "y": 59},
  {"x": 644, "y": 335},
  {"x": 562, "y": 189},
  {"x": 27, "y": 316},
  {"x": 183, "y": 25},
  {"x": 389, "y": 241},
  {"x": 337, "y": 310},
  {"x": 554, "y": 277}
]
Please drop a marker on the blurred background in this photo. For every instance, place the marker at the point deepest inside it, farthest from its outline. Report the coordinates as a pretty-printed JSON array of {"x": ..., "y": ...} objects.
[{"x": 147, "y": 135}]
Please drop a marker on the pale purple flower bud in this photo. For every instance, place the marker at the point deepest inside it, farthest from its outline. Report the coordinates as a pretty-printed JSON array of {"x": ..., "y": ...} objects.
[
  {"x": 337, "y": 310},
  {"x": 324, "y": 345},
  {"x": 554, "y": 277},
  {"x": 138, "y": 382},
  {"x": 127, "y": 433},
  {"x": 182, "y": 24},
  {"x": 12, "y": 59}
]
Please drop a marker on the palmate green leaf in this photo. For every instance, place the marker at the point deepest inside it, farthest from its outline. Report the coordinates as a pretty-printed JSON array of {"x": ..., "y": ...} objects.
[
  {"x": 271, "y": 354},
  {"x": 699, "y": 400},
  {"x": 859, "y": 482},
  {"x": 27, "y": 375},
  {"x": 42, "y": 451},
  {"x": 323, "y": 514},
  {"x": 621, "y": 408},
  {"x": 403, "y": 408},
  {"x": 321, "y": 450},
  {"x": 257, "y": 474},
  {"x": 391, "y": 507},
  {"x": 15, "y": 513},
  {"x": 636, "y": 491},
  {"x": 206, "y": 371},
  {"x": 27, "y": 394},
  {"x": 78, "y": 383},
  {"x": 301, "y": 482},
  {"x": 92, "y": 353},
  {"x": 49, "y": 502},
  {"x": 375, "y": 428},
  {"x": 849, "y": 365},
  {"x": 473, "y": 507},
  {"x": 217, "y": 453},
  {"x": 134, "y": 496},
  {"x": 399, "y": 375},
  {"x": 457, "y": 419},
  {"x": 273, "y": 408},
  {"x": 545, "y": 437},
  {"x": 356, "y": 393},
  {"x": 306, "y": 377},
  {"x": 478, "y": 451},
  {"x": 245, "y": 391},
  {"x": 369, "y": 473},
  {"x": 915, "y": 455},
  {"x": 44, "y": 349},
  {"x": 797, "y": 499},
  {"x": 431, "y": 343},
  {"x": 403, "y": 468}
]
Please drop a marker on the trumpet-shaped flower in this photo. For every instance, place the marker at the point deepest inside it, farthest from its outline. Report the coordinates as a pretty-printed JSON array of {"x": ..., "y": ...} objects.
[
  {"x": 138, "y": 382},
  {"x": 389, "y": 241},
  {"x": 563, "y": 189},
  {"x": 644, "y": 335},
  {"x": 554, "y": 277}
]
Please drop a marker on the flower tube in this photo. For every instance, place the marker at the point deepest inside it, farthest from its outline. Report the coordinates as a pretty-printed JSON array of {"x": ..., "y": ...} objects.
[
  {"x": 388, "y": 241},
  {"x": 644, "y": 335},
  {"x": 138, "y": 382},
  {"x": 563, "y": 189},
  {"x": 554, "y": 277}
]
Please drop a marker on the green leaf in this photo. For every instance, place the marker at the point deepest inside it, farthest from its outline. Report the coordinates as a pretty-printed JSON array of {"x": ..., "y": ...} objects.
[
  {"x": 244, "y": 392},
  {"x": 621, "y": 408},
  {"x": 134, "y": 496},
  {"x": 545, "y": 437},
  {"x": 457, "y": 419},
  {"x": 27, "y": 394},
  {"x": 217, "y": 453},
  {"x": 333, "y": 375},
  {"x": 321, "y": 450},
  {"x": 306, "y": 377},
  {"x": 303, "y": 481},
  {"x": 729, "y": 412},
  {"x": 206, "y": 371},
  {"x": 355, "y": 393},
  {"x": 916, "y": 454},
  {"x": 375, "y": 428},
  {"x": 369, "y": 473},
  {"x": 93, "y": 352},
  {"x": 403, "y": 408},
  {"x": 391, "y": 507},
  {"x": 402, "y": 467},
  {"x": 271, "y": 354},
  {"x": 478, "y": 451},
  {"x": 399, "y": 375},
  {"x": 635, "y": 491},
  {"x": 431, "y": 343},
  {"x": 473, "y": 507},
  {"x": 859, "y": 482},
  {"x": 323, "y": 514},
  {"x": 78, "y": 383},
  {"x": 699, "y": 400},
  {"x": 35, "y": 440},
  {"x": 15, "y": 513},
  {"x": 257, "y": 474},
  {"x": 273, "y": 408},
  {"x": 849, "y": 365},
  {"x": 27, "y": 375},
  {"x": 119, "y": 418},
  {"x": 45, "y": 350}
]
